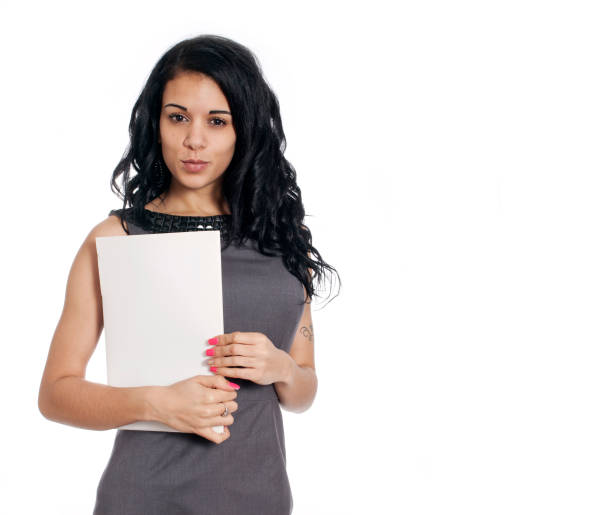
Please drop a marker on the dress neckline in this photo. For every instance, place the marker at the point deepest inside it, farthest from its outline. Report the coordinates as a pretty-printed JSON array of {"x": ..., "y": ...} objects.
[
  {"x": 154, "y": 221},
  {"x": 151, "y": 213}
]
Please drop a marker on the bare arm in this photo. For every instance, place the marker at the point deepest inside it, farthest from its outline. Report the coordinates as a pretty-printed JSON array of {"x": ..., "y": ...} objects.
[
  {"x": 297, "y": 390},
  {"x": 64, "y": 395},
  {"x": 77, "y": 402}
]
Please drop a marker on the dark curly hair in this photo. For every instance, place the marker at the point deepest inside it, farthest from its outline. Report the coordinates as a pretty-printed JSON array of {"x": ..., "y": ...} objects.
[{"x": 259, "y": 183}]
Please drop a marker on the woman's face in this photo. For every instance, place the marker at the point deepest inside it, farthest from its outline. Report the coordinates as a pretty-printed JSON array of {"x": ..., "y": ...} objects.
[{"x": 195, "y": 123}]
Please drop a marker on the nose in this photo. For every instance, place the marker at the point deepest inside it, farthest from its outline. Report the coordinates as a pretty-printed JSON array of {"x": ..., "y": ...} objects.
[{"x": 196, "y": 137}]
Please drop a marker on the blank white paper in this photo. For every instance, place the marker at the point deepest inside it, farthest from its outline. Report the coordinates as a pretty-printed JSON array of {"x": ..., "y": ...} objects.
[{"x": 162, "y": 299}]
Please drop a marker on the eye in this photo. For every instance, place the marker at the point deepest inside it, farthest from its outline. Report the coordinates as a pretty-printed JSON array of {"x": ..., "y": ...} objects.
[
  {"x": 173, "y": 116},
  {"x": 217, "y": 122}
]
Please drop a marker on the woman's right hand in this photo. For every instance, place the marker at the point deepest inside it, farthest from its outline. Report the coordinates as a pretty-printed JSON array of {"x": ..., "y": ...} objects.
[{"x": 194, "y": 406}]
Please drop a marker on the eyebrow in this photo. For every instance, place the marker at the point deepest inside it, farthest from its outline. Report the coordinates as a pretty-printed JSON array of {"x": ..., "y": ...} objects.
[{"x": 212, "y": 111}]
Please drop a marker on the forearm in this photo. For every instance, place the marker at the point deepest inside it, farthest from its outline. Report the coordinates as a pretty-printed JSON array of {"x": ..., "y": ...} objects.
[
  {"x": 298, "y": 387},
  {"x": 77, "y": 402}
]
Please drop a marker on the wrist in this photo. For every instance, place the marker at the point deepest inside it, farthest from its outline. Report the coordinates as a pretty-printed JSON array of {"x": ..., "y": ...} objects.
[
  {"x": 287, "y": 371},
  {"x": 152, "y": 396}
]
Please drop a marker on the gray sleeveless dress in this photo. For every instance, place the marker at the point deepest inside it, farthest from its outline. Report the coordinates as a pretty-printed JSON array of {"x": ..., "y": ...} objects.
[{"x": 164, "y": 473}]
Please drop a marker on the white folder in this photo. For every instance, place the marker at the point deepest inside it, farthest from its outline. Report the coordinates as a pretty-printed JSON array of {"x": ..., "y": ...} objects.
[{"x": 162, "y": 300}]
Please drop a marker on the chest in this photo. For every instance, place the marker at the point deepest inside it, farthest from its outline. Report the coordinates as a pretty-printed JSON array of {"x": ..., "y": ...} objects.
[{"x": 260, "y": 295}]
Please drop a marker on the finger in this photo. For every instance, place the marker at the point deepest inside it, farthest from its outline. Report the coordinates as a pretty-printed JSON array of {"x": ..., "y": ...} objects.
[
  {"x": 246, "y": 338},
  {"x": 232, "y": 407},
  {"x": 216, "y": 409},
  {"x": 221, "y": 339},
  {"x": 210, "y": 434},
  {"x": 231, "y": 349},
  {"x": 221, "y": 383},
  {"x": 219, "y": 420},
  {"x": 221, "y": 409},
  {"x": 242, "y": 373},
  {"x": 232, "y": 361},
  {"x": 223, "y": 396}
]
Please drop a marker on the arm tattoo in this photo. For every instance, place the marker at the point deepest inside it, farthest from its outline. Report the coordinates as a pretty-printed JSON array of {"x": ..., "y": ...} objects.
[{"x": 307, "y": 332}]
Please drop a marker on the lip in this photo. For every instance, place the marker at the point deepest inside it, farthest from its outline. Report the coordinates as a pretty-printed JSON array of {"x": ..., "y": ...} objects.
[
  {"x": 196, "y": 166},
  {"x": 195, "y": 161}
]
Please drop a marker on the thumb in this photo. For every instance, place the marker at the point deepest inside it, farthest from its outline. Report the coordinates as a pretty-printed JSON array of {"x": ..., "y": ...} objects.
[{"x": 224, "y": 384}]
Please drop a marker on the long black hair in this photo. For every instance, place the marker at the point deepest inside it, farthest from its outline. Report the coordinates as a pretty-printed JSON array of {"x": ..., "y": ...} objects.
[{"x": 259, "y": 184}]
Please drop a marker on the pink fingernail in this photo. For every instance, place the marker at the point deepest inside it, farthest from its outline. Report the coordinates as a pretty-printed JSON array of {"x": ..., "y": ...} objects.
[
  {"x": 234, "y": 385},
  {"x": 213, "y": 369},
  {"x": 210, "y": 352},
  {"x": 213, "y": 341}
]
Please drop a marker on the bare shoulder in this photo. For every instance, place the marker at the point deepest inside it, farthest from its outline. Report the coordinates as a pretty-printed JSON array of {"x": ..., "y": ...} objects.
[{"x": 110, "y": 226}]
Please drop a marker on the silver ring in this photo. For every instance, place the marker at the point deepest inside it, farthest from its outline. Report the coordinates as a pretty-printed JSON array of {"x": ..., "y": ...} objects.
[{"x": 226, "y": 411}]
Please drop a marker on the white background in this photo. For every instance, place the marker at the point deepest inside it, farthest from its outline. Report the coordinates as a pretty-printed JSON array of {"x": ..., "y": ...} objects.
[{"x": 454, "y": 160}]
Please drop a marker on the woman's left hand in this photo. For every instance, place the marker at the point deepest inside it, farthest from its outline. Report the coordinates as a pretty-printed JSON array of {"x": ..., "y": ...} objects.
[{"x": 263, "y": 362}]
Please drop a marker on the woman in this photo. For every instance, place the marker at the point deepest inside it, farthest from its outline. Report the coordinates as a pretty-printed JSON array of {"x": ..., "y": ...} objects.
[{"x": 207, "y": 145}]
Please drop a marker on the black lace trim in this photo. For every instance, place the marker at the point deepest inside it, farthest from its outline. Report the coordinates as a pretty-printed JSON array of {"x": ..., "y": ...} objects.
[{"x": 162, "y": 222}]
